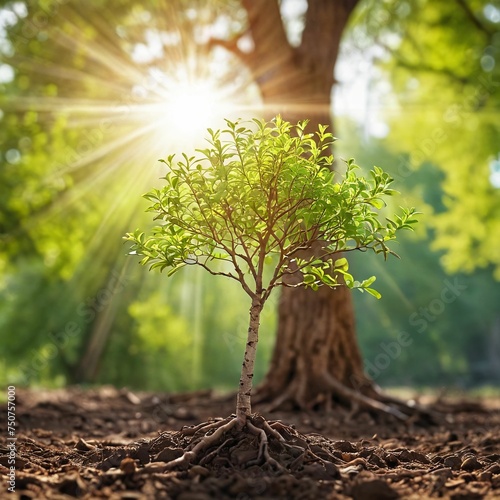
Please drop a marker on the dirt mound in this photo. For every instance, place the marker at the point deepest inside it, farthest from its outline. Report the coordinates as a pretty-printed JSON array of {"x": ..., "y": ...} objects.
[{"x": 121, "y": 445}]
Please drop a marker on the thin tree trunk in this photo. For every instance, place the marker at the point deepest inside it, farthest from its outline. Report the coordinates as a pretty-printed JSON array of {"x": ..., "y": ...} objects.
[{"x": 243, "y": 405}]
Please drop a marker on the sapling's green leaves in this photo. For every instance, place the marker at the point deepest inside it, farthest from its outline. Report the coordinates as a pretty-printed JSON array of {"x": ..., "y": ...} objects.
[
  {"x": 342, "y": 264},
  {"x": 371, "y": 291},
  {"x": 263, "y": 189}
]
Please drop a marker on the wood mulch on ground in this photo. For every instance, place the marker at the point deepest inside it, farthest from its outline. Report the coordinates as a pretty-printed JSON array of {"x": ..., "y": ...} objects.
[{"x": 109, "y": 443}]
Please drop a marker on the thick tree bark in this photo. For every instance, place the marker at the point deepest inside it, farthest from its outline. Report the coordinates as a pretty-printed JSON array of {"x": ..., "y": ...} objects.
[{"x": 316, "y": 336}]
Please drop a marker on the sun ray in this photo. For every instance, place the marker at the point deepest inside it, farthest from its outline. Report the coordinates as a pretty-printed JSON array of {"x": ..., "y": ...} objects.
[{"x": 105, "y": 115}]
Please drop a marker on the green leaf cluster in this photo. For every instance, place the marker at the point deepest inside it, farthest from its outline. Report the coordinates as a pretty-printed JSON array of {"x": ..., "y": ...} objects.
[{"x": 267, "y": 188}]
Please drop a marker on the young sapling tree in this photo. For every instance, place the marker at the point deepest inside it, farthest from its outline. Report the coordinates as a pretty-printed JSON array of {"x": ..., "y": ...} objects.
[{"x": 262, "y": 194}]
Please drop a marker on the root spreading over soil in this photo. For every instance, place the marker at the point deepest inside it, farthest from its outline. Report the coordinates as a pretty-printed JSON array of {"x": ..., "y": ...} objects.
[{"x": 119, "y": 445}]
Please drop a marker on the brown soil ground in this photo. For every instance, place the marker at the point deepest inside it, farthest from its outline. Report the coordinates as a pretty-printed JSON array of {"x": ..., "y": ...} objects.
[{"x": 109, "y": 443}]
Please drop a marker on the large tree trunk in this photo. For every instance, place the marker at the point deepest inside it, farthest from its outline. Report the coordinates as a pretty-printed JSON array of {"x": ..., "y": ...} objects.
[
  {"x": 316, "y": 336},
  {"x": 316, "y": 360},
  {"x": 316, "y": 340}
]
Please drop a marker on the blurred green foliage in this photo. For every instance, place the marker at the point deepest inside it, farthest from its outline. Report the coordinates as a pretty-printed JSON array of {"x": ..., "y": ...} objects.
[
  {"x": 452, "y": 319},
  {"x": 77, "y": 153}
]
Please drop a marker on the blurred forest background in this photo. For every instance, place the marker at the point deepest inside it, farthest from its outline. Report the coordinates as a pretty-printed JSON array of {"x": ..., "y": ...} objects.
[{"x": 93, "y": 93}]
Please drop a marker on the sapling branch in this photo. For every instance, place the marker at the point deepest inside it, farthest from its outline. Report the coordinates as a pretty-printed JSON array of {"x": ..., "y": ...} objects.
[{"x": 217, "y": 273}]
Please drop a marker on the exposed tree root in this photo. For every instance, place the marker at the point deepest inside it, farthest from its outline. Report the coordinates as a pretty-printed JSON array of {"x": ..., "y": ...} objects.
[
  {"x": 369, "y": 398},
  {"x": 198, "y": 446},
  {"x": 412, "y": 408},
  {"x": 362, "y": 400},
  {"x": 258, "y": 442}
]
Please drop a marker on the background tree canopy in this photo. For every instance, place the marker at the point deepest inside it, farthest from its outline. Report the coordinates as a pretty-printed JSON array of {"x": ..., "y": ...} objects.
[{"x": 93, "y": 94}]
